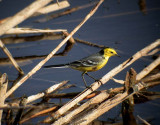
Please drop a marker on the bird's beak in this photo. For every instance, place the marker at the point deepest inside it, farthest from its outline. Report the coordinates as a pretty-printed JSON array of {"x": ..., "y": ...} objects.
[{"x": 117, "y": 55}]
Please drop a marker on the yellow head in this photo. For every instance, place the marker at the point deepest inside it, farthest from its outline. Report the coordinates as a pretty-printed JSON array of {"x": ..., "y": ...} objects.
[{"x": 108, "y": 52}]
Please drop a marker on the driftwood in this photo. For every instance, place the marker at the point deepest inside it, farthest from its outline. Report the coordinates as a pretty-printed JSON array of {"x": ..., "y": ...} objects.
[
  {"x": 101, "y": 108},
  {"x": 16, "y": 19},
  {"x": 66, "y": 12},
  {"x": 36, "y": 68},
  {"x": 11, "y": 22},
  {"x": 31, "y": 30},
  {"x": 52, "y": 7},
  {"x": 11, "y": 57},
  {"x": 22, "y": 15},
  {"x": 49, "y": 90},
  {"x": 88, "y": 117},
  {"x": 45, "y": 10},
  {"x": 31, "y": 38},
  {"x": 68, "y": 47},
  {"x": 144, "y": 121},
  {"x": 104, "y": 79},
  {"x": 89, "y": 43},
  {"x": 15, "y": 104},
  {"x": 128, "y": 104},
  {"x": 3, "y": 89}
]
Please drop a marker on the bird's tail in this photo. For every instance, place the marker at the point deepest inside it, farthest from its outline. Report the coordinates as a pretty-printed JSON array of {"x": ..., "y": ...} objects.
[{"x": 57, "y": 66}]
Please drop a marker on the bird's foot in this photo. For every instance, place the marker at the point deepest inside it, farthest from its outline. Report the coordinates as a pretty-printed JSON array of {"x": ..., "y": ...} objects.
[
  {"x": 89, "y": 87},
  {"x": 99, "y": 81}
]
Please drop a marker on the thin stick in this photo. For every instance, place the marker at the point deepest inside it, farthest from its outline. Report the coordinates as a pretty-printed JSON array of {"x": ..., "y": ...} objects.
[
  {"x": 106, "y": 106},
  {"x": 103, "y": 107},
  {"x": 22, "y": 39},
  {"x": 30, "y": 30},
  {"x": 6, "y": 106},
  {"x": 153, "y": 52},
  {"x": 3, "y": 89},
  {"x": 47, "y": 9},
  {"x": 147, "y": 70},
  {"x": 49, "y": 90},
  {"x": 52, "y": 8},
  {"x": 36, "y": 114},
  {"x": 97, "y": 99},
  {"x": 38, "y": 66},
  {"x": 89, "y": 43},
  {"x": 118, "y": 81},
  {"x": 22, "y": 15},
  {"x": 144, "y": 121},
  {"x": 37, "y": 96},
  {"x": 69, "y": 11},
  {"x": 11, "y": 58},
  {"x": 106, "y": 78},
  {"x": 151, "y": 78},
  {"x": 90, "y": 115}
]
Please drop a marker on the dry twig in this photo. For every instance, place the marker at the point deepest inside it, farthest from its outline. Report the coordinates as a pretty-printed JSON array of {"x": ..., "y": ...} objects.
[
  {"x": 144, "y": 121},
  {"x": 69, "y": 11},
  {"x": 49, "y": 90},
  {"x": 22, "y": 15},
  {"x": 147, "y": 70},
  {"x": 52, "y": 7},
  {"x": 106, "y": 78},
  {"x": 3, "y": 89},
  {"x": 89, "y": 43},
  {"x": 37, "y": 67},
  {"x": 118, "y": 81},
  {"x": 90, "y": 115},
  {"x": 92, "y": 102},
  {"x": 11, "y": 58},
  {"x": 24, "y": 119},
  {"x": 16, "y": 19},
  {"x": 151, "y": 78},
  {"x": 15, "y": 104},
  {"x": 30, "y": 30},
  {"x": 22, "y": 39}
]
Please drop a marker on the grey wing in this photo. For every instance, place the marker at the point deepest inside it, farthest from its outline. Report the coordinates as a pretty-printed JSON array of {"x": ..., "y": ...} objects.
[{"x": 88, "y": 61}]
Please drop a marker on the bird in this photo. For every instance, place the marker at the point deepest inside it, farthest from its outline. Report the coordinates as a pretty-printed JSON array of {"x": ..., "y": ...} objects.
[{"x": 90, "y": 63}]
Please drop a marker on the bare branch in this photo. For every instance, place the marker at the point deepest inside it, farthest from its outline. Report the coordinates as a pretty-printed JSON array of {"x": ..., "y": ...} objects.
[
  {"x": 97, "y": 99},
  {"x": 30, "y": 30},
  {"x": 144, "y": 121},
  {"x": 3, "y": 89},
  {"x": 22, "y": 15},
  {"x": 153, "y": 52},
  {"x": 11, "y": 58},
  {"x": 118, "y": 81},
  {"x": 52, "y": 8},
  {"x": 22, "y": 39},
  {"x": 151, "y": 78},
  {"x": 68, "y": 11},
  {"x": 106, "y": 78},
  {"x": 38, "y": 66},
  {"x": 49, "y": 90},
  {"x": 89, "y": 43},
  {"x": 148, "y": 69}
]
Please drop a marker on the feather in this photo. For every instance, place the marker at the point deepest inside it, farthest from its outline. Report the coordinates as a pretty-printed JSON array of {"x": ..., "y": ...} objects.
[{"x": 57, "y": 66}]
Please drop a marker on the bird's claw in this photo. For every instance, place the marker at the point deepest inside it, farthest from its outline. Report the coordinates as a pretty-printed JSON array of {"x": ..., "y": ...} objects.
[
  {"x": 89, "y": 87},
  {"x": 99, "y": 81}
]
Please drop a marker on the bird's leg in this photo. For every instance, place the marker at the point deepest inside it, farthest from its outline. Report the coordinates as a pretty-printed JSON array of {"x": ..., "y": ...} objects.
[
  {"x": 97, "y": 80},
  {"x": 90, "y": 76},
  {"x": 84, "y": 79}
]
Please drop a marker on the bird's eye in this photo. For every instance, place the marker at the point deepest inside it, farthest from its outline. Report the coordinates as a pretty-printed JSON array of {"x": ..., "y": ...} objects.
[{"x": 112, "y": 52}]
